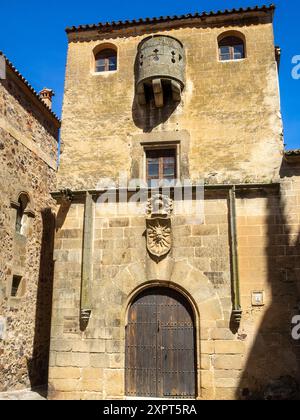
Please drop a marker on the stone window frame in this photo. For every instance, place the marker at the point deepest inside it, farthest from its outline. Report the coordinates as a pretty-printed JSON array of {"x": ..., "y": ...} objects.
[
  {"x": 21, "y": 287},
  {"x": 23, "y": 202},
  {"x": 162, "y": 147},
  {"x": 232, "y": 34},
  {"x": 160, "y": 140},
  {"x": 15, "y": 301},
  {"x": 27, "y": 213},
  {"x": 96, "y": 51}
]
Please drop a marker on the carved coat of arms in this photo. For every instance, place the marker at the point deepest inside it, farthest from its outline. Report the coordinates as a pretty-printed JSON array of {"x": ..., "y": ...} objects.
[{"x": 159, "y": 235}]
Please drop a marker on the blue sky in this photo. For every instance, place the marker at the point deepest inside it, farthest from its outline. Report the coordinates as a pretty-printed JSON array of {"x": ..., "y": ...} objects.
[{"x": 32, "y": 36}]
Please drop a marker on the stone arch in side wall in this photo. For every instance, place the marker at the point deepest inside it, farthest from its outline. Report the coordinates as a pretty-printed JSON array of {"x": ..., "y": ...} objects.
[
  {"x": 22, "y": 211},
  {"x": 188, "y": 280}
]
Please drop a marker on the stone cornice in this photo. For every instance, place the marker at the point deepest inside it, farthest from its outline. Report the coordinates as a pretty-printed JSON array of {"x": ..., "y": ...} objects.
[
  {"x": 205, "y": 17},
  {"x": 292, "y": 155}
]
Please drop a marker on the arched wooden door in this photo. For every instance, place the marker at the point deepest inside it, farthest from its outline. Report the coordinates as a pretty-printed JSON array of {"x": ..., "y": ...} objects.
[{"x": 160, "y": 346}]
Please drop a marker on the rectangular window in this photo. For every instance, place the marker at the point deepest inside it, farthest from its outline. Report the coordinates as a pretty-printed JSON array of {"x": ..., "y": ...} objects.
[
  {"x": 225, "y": 53},
  {"x": 106, "y": 61},
  {"x": 16, "y": 286},
  {"x": 232, "y": 52},
  {"x": 101, "y": 65},
  {"x": 238, "y": 52},
  {"x": 113, "y": 63},
  {"x": 161, "y": 165}
]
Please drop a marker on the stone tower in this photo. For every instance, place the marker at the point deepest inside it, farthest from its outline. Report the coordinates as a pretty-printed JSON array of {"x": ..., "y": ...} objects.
[{"x": 191, "y": 300}]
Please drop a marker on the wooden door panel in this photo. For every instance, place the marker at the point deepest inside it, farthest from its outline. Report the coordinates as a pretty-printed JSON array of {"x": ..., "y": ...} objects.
[
  {"x": 146, "y": 347},
  {"x": 177, "y": 330},
  {"x": 141, "y": 350},
  {"x": 160, "y": 346}
]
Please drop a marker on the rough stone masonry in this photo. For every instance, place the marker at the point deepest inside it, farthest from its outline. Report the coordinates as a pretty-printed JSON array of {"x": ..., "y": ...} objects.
[{"x": 28, "y": 163}]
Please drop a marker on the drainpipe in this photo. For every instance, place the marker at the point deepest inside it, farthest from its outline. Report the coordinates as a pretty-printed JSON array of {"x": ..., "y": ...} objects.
[
  {"x": 236, "y": 296},
  {"x": 87, "y": 262}
]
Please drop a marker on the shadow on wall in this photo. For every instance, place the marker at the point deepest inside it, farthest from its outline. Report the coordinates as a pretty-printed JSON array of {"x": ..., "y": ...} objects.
[
  {"x": 147, "y": 117},
  {"x": 38, "y": 365},
  {"x": 272, "y": 370}
]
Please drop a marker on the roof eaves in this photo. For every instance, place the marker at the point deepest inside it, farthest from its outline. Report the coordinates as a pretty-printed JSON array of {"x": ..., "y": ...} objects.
[
  {"x": 161, "y": 19},
  {"x": 28, "y": 85},
  {"x": 292, "y": 153}
]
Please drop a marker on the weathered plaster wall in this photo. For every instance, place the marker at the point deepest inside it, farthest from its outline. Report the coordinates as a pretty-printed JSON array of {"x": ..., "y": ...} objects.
[{"x": 229, "y": 109}]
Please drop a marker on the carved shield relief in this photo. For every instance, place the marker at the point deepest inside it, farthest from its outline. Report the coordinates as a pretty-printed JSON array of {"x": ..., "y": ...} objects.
[{"x": 159, "y": 238}]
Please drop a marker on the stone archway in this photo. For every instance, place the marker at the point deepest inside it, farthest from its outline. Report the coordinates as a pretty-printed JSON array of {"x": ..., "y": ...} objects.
[
  {"x": 189, "y": 280},
  {"x": 203, "y": 298}
]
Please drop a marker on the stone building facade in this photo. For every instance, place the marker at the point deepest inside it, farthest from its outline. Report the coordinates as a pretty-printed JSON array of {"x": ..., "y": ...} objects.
[
  {"x": 205, "y": 87},
  {"x": 28, "y": 165},
  {"x": 186, "y": 296}
]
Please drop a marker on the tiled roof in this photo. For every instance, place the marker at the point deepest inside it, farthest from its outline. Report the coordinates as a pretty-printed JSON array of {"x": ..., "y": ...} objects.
[
  {"x": 115, "y": 25},
  {"x": 28, "y": 85},
  {"x": 292, "y": 153}
]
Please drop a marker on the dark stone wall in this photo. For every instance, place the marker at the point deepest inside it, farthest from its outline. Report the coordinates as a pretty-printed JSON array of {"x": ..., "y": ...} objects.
[{"x": 27, "y": 135}]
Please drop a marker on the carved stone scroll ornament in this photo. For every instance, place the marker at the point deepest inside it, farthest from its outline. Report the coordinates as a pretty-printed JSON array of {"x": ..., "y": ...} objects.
[
  {"x": 159, "y": 233},
  {"x": 67, "y": 195},
  {"x": 159, "y": 206}
]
